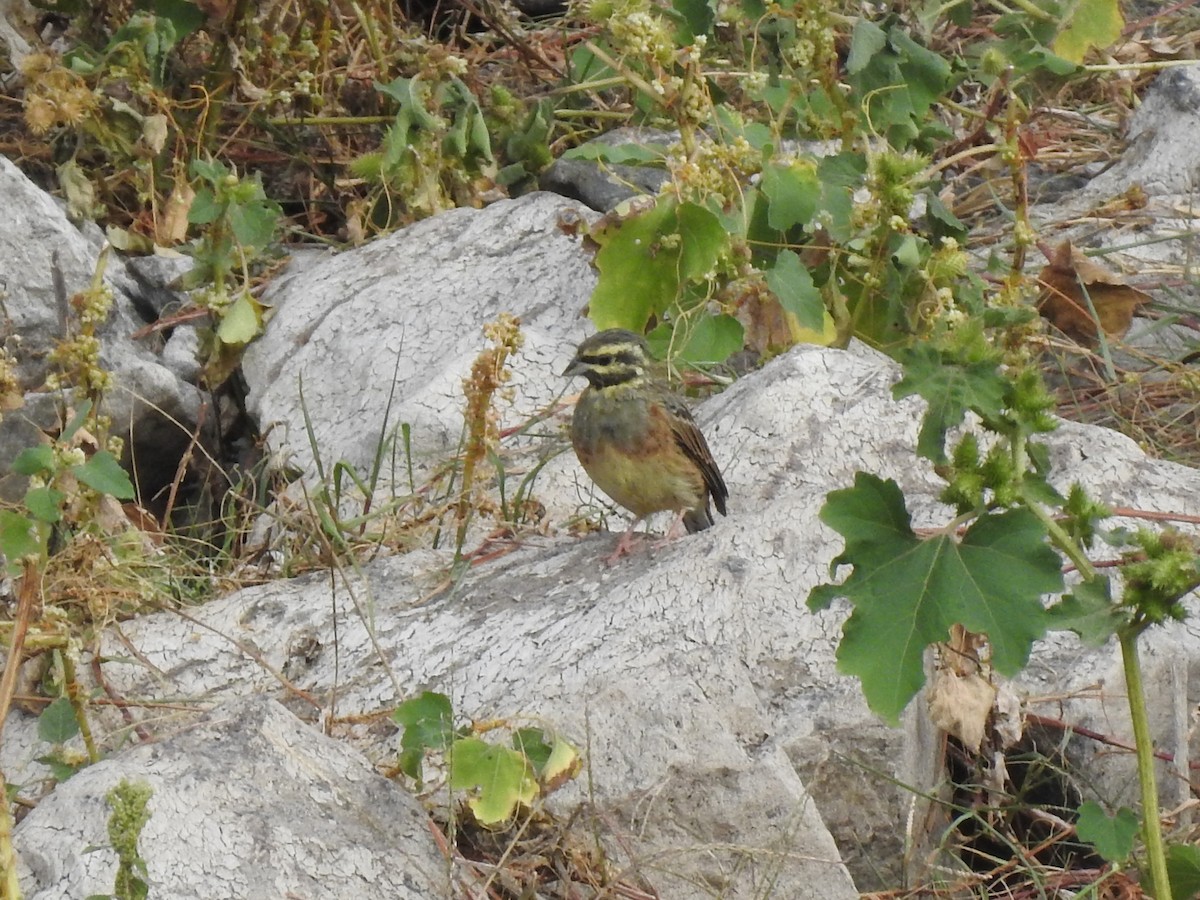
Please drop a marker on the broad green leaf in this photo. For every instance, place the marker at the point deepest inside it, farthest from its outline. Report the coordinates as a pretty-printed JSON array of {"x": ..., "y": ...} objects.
[
  {"x": 712, "y": 340},
  {"x": 587, "y": 66},
  {"x": 34, "y": 460},
  {"x": 908, "y": 592},
  {"x": 703, "y": 239},
  {"x": 45, "y": 503},
  {"x": 698, "y": 16},
  {"x": 253, "y": 223},
  {"x": 499, "y": 778},
  {"x": 896, "y": 83},
  {"x": 409, "y": 94},
  {"x": 18, "y": 538},
  {"x": 1094, "y": 23},
  {"x": 241, "y": 321},
  {"x": 184, "y": 15},
  {"x": 866, "y": 40},
  {"x": 1183, "y": 871},
  {"x": 104, "y": 474},
  {"x": 840, "y": 175},
  {"x": 636, "y": 279},
  {"x": 428, "y": 723},
  {"x": 794, "y": 191},
  {"x": 1089, "y": 611},
  {"x": 793, "y": 285},
  {"x": 1112, "y": 836},
  {"x": 57, "y": 723},
  {"x": 906, "y": 252},
  {"x": 942, "y": 222},
  {"x": 205, "y": 207},
  {"x": 644, "y": 260},
  {"x": 427, "y": 720},
  {"x": 950, "y": 389}
]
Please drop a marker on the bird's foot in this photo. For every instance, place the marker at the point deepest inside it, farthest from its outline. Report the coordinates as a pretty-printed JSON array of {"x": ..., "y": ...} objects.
[
  {"x": 625, "y": 546},
  {"x": 675, "y": 532}
]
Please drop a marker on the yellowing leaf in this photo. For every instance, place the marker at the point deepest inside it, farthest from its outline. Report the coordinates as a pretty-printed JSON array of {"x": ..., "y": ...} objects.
[
  {"x": 241, "y": 321},
  {"x": 1095, "y": 23},
  {"x": 563, "y": 765},
  {"x": 498, "y": 779}
]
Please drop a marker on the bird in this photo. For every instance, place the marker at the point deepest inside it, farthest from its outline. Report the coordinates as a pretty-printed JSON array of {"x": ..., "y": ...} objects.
[{"x": 637, "y": 440}]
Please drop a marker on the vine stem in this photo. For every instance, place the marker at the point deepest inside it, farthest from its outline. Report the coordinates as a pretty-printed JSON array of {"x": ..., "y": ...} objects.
[{"x": 1151, "y": 826}]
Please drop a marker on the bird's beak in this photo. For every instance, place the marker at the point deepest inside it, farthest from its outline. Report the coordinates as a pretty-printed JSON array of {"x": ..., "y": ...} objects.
[{"x": 575, "y": 368}]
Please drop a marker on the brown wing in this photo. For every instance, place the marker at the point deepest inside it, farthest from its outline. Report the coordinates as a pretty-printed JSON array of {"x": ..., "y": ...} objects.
[{"x": 690, "y": 439}]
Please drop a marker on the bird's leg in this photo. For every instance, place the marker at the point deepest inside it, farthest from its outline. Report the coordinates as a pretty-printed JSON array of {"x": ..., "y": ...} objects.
[
  {"x": 625, "y": 545},
  {"x": 675, "y": 532}
]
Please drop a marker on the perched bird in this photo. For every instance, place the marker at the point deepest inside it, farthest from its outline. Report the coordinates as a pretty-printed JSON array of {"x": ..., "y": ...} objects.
[{"x": 637, "y": 440}]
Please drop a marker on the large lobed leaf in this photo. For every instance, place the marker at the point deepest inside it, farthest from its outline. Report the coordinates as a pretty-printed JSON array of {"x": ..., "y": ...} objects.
[{"x": 907, "y": 591}]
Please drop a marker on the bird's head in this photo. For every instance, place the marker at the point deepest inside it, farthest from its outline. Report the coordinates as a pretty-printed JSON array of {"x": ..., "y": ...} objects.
[{"x": 611, "y": 358}]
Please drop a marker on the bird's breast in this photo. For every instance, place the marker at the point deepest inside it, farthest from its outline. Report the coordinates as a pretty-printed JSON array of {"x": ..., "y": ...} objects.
[{"x": 627, "y": 447}]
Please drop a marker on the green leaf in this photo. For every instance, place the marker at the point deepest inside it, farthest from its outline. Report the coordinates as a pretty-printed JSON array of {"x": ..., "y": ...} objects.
[
  {"x": 951, "y": 389},
  {"x": 644, "y": 260},
  {"x": 866, "y": 40},
  {"x": 620, "y": 154},
  {"x": 499, "y": 778},
  {"x": 698, "y": 17},
  {"x": 104, "y": 474},
  {"x": 241, "y": 321},
  {"x": 942, "y": 222},
  {"x": 794, "y": 191},
  {"x": 18, "y": 539},
  {"x": 896, "y": 83},
  {"x": 409, "y": 94},
  {"x": 34, "y": 460},
  {"x": 840, "y": 175},
  {"x": 712, "y": 340},
  {"x": 1089, "y": 611},
  {"x": 205, "y": 207},
  {"x": 184, "y": 15},
  {"x": 211, "y": 170},
  {"x": 906, "y": 252},
  {"x": 45, "y": 503},
  {"x": 587, "y": 66},
  {"x": 908, "y": 592},
  {"x": 1112, "y": 836},
  {"x": 1183, "y": 871},
  {"x": 531, "y": 742},
  {"x": 428, "y": 723},
  {"x": 1093, "y": 23},
  {"x": 77, "y": 420},
  {"x": 57, "y": 723},
  {"x": 793, "y": 285},
  {"x": 61, "y": 771},
  {"x": 254, "y": 223},
  {"x": 703, "y": 239}
]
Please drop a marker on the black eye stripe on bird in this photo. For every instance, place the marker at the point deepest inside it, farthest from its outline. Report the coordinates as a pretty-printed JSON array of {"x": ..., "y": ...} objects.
[{"x": 637, "y": 440}]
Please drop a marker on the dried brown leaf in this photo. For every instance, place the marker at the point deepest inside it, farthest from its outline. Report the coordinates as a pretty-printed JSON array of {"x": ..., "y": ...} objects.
[
  {"x": 1070, "y": 279},
  {"x": 959, "y": 705}
]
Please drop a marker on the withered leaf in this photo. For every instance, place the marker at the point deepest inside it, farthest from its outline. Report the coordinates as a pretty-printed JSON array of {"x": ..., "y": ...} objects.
[{"x": 1064, "y": 281}]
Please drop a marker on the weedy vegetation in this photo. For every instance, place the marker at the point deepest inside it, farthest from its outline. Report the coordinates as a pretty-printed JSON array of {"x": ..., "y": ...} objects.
[{"x": 832, "y": 172}]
